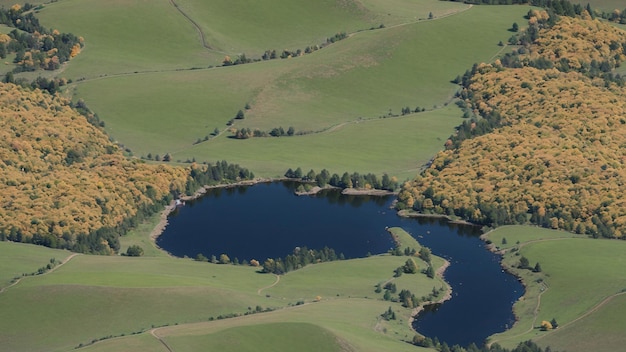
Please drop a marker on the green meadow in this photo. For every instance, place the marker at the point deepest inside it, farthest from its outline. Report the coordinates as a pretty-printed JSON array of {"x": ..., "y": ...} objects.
[
  {"x": 577, "y": 275},
  {"x": 338, "y": 97},
  {"x": 120, "y": 300}
]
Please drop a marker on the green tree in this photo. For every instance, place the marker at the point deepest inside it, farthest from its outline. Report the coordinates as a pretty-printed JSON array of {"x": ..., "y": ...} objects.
[
  {"x": 524, "y": 263},
  {"x": 425, "y": 254},
  {"x": 537, "y": 268},
  {"x": 410, "y": 267},
  {"x": 514, "y": 27},
  {"x": 134, "y": 251},
  {"x": 201, "y": 258},
  {"x": 240, "y": 115},
  {"x": 430, "y": 272},
  {"x": 554, "y": 323}
]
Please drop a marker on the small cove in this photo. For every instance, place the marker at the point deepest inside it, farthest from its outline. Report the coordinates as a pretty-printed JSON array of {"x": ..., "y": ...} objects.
[{"x": 268, "y": 220}]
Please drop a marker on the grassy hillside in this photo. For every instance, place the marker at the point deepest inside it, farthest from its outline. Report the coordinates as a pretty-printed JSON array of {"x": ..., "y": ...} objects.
[
  {"x": 577, "y": 275},
  {"x": 94, "y": 297},
  {"x": 369, "y": 75},
  {"x": 127, "y": 36},
  {"x": 19, "y": 259}
]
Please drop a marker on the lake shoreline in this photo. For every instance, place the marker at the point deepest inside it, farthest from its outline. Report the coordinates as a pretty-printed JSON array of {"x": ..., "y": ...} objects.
[
  {"x": 163, "y": 222},
  {"x": 447, "y": 296}
]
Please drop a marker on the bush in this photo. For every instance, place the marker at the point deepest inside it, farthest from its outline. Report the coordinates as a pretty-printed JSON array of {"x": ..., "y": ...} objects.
[{"x": 134, "y": 251}]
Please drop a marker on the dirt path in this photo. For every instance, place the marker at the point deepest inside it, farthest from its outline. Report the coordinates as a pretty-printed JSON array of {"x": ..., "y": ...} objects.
[
  {"x": 153, "y": 333},
  {"x": 258, "y": 292},
  {"x": 46, "y": 273},
  {"x": 193, "y": 23}
]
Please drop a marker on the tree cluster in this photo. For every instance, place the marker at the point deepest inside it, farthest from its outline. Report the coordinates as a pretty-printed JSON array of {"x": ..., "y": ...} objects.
[
  {"x": 552, "y": 155},
  {"x": 212, "y": 174},
  {"x": 34, "y": 45},
  {"x": 245, "y": 133},
  {"x": 301, "y": 257},
  {"x": 354, "y": 180}
]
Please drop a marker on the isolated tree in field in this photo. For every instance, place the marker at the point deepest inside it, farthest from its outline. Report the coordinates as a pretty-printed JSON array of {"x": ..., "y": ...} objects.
[
  {"x": 524, "y": 263},
  {"x": 430, "y": 16},
  {"x": 425, "y": 254},
  {"x": 134, "y": 251},
  {"x": 554, "y": 323},
  {"x": 410, "y": 267},
  {"x": 430, "y": 272},
  {"x": 546, "y": 325},
  {"x": 240, "y": 115},
  {"x": 537, "y": 268},
  {"x": 515, "y": 27}
]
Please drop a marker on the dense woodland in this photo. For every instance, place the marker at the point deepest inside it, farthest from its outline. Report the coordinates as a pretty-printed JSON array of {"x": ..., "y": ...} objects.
[
  {"x": 64, "y": 184},
  {"x": 546, "y": 145}
]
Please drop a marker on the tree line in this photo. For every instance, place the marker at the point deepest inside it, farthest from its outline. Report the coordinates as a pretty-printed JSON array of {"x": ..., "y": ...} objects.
[
  {"x": 301, "y": 257},
  {"x": 285, "y": 54},
  {"x": 354, "y": 180}
]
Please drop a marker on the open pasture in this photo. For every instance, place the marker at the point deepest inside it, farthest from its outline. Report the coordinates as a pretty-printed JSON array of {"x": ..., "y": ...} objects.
[
  {"x": 20, "y": 258},
  {"x": 123, "y": 37},
  {"x": 370, "y": 75},
  {"x": 134, "y": 295},
  {"x": 576, "y": 275}
]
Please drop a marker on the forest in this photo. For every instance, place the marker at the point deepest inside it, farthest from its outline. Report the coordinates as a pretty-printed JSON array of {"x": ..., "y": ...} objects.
[
  {"x": 66, "y": 185},
  {"x": 546, "y": 144}
]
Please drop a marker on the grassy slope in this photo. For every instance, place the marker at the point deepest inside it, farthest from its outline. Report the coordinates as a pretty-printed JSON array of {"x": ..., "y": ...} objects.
[
  {"x": 577, "y": 273},
  {"x": 604, "y": 5},
  {"x": 19, "y": 258},
  {"x": 342, "y": 83},
  {"x": 126, "y": 36},
  {"x": 263, "y": 337},
  {"x": 123, "y": 293}
]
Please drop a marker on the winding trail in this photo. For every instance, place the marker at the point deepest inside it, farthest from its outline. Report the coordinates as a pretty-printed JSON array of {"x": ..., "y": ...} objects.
[
  {"x": 258, "y": 292},
  {"x": 193, "y": 23},
  {"x": 46, "y": 273},
  {"x": 153, "y": 333},
  {"x": 586, "y": 314}
]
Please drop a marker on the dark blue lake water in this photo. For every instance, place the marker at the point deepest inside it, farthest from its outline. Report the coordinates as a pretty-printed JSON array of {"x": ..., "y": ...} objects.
[{"x": 269, "y": 221}]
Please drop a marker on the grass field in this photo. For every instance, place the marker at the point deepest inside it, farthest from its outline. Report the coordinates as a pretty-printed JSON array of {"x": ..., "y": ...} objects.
[
  {"x": 366, "y": 76},
  {"x": 130, "y": 296},
  {"x": 19, "y": 258},
  {"x": 126, "y": 36},
  {"x": 577, "y": 275}
]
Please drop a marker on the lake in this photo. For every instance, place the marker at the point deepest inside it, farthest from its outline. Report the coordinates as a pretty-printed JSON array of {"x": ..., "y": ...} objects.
[{"x": 269, "y": 221}]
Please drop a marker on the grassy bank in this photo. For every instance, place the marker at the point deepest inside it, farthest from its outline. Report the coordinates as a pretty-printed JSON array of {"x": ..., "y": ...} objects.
[{"x": 577, "y": 275}]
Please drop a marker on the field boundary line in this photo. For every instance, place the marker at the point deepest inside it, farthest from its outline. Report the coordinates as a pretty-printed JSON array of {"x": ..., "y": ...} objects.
[{"x": 67, "y": 259}]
